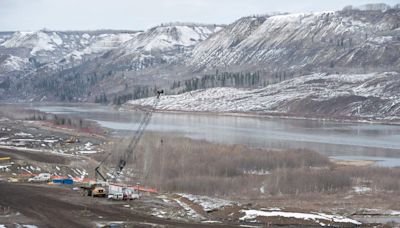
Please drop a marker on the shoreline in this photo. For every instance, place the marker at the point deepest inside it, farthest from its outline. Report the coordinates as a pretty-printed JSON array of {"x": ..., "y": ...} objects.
[
  {"x": 266, "y": 115},
  {"x": 351, "y": 162}
]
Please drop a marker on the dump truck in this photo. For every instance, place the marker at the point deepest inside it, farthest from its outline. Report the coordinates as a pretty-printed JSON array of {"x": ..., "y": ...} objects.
[{"x": 94, "y": 190}]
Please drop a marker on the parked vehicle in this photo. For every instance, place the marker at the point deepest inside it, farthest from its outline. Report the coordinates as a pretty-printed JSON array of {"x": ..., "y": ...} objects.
[
  {"x": 42, "y": 177},
  {"x": 94, "y": 190},
  {"x": 116, "y": 196},
  {"x": 12, "y": 180},
  {"x": 130, "y": 194},
  {"x": 119, "y": 192}
]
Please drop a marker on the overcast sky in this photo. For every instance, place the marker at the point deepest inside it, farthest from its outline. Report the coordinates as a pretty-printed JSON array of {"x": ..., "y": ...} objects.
[{"x": 143, "y": 14}]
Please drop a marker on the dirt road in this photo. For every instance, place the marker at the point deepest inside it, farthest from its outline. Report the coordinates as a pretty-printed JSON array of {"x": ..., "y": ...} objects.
[{"x": 51, "y": 206}]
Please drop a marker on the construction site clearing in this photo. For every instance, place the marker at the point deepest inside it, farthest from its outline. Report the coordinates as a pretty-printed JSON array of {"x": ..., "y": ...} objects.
[{"x": 47, "y": 174}]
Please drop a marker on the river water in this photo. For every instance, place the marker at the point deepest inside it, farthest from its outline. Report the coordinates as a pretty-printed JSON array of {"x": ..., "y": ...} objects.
[{"x": 347, "y": 141}]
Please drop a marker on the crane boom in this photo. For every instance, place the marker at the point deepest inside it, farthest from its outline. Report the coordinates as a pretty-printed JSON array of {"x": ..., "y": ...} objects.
[{"x": 134, "y": 142}]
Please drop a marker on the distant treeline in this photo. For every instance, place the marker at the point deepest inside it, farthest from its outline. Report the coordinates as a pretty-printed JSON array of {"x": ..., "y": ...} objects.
[
  {"x": 137, "y": 93},
  {"x": 231, "y": 79},
  {"x": 218, "y": 79},
  {"x": 57, "y": 120}
]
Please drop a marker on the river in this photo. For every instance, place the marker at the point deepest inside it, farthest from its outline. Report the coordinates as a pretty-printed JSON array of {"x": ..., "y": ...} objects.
[{"x": 340, "y": 140}]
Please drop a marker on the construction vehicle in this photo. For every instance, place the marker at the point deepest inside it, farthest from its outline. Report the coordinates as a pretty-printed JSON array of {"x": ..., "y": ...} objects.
[
  {"x": 126, "y": 156},
  {"x": 95, "y": 190},
  {"x": 5, "y": 164},
  {"x": 73, "y": 139},
  {"x": 12, "y": 180}
]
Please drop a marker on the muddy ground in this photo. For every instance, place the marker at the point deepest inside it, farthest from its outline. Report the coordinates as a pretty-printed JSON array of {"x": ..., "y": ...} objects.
[{"x": 55, "y": 206}]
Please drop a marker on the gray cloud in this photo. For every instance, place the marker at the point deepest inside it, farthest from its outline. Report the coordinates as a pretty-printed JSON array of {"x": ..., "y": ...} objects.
[{"x": 139, "y": 14}]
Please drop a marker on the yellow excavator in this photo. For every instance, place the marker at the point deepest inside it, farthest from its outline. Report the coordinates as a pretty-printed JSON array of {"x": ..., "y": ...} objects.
[{"x": 73, "y": 139}]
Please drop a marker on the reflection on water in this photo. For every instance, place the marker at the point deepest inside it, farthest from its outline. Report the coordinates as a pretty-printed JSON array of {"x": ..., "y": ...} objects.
[{"x": 358, "y": 140}]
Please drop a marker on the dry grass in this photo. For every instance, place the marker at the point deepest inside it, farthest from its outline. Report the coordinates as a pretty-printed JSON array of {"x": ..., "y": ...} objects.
[
  {"x": 377, "y": 178},
  {"x": 183, "y": 165},
  {"x": 178, "y": 164},
  {"x": 305, "y": 180}
]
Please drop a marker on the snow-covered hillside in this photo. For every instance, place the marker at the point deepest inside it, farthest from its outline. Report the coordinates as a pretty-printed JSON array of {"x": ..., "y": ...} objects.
[
  {"x": 319, "y": 41},
  {"x": 55, "y": 49},
  {"x": 168, "y": 36},
  {"x": 365, "y": 95},
  {"x": 136, "y": 50},
  {"x": 162, "y": 44},
  {"x": 49, "y": 57},
  {"x": 13, "y": 63},
  {"x": 42, "y": 41}
]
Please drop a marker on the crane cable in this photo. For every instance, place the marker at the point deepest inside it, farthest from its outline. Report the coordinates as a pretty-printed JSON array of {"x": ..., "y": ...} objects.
[
  {"x": 137, "y": 136},
  {"x": 132, "y": 144}
]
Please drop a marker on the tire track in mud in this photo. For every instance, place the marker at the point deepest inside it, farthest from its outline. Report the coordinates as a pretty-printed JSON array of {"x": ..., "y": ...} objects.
[{"x": 59, "y": 207}]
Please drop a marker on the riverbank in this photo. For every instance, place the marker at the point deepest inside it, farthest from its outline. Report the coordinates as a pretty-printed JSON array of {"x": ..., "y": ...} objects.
[
  {"x": 268, "y": 115},
  {"x": 361, "y": 163}
]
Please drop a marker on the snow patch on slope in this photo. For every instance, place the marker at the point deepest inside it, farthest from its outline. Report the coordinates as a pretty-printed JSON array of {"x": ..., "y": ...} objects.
[
  {"x": 102, "y": 43},
  {"x": 167, "y": 37},
  {"x": 13, "y": 63},
  {"x": 37, "y": 41}
]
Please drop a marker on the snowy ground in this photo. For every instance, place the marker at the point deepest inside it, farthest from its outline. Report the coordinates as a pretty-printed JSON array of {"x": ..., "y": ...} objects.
[
  {"x": 36, "y": 142},
  {"x": 33, "y": 151},
  {"x": 207, "y": 203},
  {"x": 320, "y": 218},
  {"x": 190, "y": 210}
]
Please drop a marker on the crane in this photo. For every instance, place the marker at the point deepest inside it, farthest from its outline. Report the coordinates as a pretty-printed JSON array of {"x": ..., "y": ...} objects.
[{"x": 126, "y": 156}]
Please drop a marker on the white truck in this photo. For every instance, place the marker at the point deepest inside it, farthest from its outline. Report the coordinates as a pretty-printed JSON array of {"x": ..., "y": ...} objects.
[
  {"x": 130, "y": 194},
  {"x": 42, "y": 177},
  {"x": 118, "y": 192}
]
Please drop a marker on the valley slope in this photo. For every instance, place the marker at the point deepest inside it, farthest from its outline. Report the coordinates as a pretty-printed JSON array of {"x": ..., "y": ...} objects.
[
  {"x": 255, "y": 52},
  {"x": 363, "y": 96}
]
